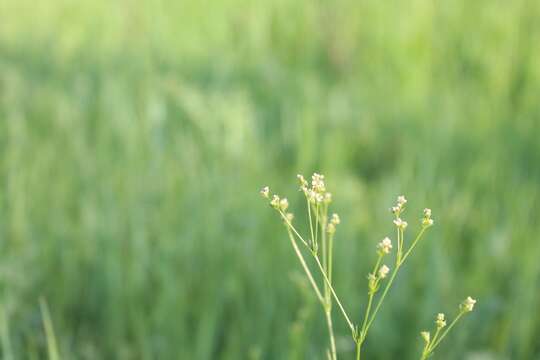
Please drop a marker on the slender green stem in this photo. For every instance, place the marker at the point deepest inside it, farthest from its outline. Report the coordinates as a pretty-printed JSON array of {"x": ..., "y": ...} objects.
[
  {"x": 370, "y": 300},
  {"x": 414, "y": 243},
  {"x": 424, "y": 352},
  {"x": 435, "y": 337},
  {"x": 446, "y": 331},
  {"x": 330, "y": 254},
  {"x": 293, "y": 228},
  {"x": 310, "y": 224},
  {"x": 306, "y": 268},
  {"x": 317, "y": 223},
  {"x": 349, "y": 323},
  {"x": 379, "y": 303},
  {"x": 325, "y": 256},
  {"x": 399, "y": 248},
  {"x": 331, "y": 334},
  {"x": 351, "y": 326}
]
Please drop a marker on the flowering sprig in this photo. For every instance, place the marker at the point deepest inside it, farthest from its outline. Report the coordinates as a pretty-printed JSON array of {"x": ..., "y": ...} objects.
[
  {"x": 430, "y": 344},
  {"x": 322, "y": 228}
]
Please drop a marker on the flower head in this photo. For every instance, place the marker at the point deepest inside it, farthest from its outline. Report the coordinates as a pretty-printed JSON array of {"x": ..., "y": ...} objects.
[
  {"x": 385, "y": 246},
  {"x": 383, "y": 271},
  {"x": 400, "y": 204},
  {"x": 283, "y": 204},
  {"x": 400, "y": 224},
  {"x": 265, "y": 192},
  {"x": 275, "y": 202},
  {"x": 317, "y": 183},
  {"x": 303, "y": 182},
  {"x": 426, "y": 336},
  {"x": 468, "y": 304},
  {"x": 427, "y": 220},
  {"x": 440, "y": 321},
  {"x": 335, "y": 219}
]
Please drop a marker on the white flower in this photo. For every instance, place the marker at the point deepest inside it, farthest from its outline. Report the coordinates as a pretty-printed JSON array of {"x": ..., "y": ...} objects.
[
  {"x": 317, "y": 183},
  {"x": 440, "y": 322},
  {"x": 468, "y": 304},
  {"x": 385, "y": 245},
  {"x": 400, "y": 223},
  {"x": 302, "y": 181},
  {"x": 311, "y": 195},
  {"x": 401, "y": 200},
  {"x": 427, "y": 220},
  {"x": 395, "y": 210},
  {"x": 275, "y": 202},
  {"x": 426, "y": 336},
  {"x": 383, "y": 271},
  {"x": 335, "y": 219},
  {"x": 283, "y": 204},
  {"x": 265, "y": 192}
]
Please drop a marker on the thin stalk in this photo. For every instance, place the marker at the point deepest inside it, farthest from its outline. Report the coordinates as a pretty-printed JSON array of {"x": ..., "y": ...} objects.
[
  {"x": 317, "y": 223},
  {"x": 325, "y": 256},
  {"x": 446, "y": 331},
  {"x": 351, "y": 326},
  {"x": 414, "y": 243},
  {"x": 435, "y": 337},
  {"x": 331, "y": 334},
  {"x": 370, "y": 300},
  {"x": 399, "y": 263},
  {"x": 293, "y": 228},
  {"x": 349, "y": 323},
  {"x": 304, "y": 265},
  {"x": 310, "y": 224},
  {"x": 388, "y": 285}
]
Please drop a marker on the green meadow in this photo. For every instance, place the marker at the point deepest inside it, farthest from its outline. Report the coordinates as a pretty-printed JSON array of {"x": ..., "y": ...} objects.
[{"x": 135, "y": 137}]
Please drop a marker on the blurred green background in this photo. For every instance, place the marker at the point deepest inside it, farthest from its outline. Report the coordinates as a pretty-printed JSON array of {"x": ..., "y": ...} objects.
[{"x": 135, "y": 136}]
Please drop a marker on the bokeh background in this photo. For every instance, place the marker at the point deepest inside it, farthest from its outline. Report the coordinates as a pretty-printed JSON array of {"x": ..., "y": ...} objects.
[{"x": 135, "y": 136}]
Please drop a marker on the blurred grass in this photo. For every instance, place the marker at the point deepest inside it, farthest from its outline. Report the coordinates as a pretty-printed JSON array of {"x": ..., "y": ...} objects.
[{"x": 134, "y": 137}]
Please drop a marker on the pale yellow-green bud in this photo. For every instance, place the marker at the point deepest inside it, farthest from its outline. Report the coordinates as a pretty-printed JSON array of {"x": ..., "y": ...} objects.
[
  {"x": 400, "y": 224},
  {"x": 385, "y": 246},
  {"x": 440, "y": 321},
  {"x": 383, "y": 271},
  {"x": 284, "y": 204},
  {"x": 275, "y": 202},
  {"x": 426, "y": 336},
  {"x": 265, "y": 192},
  {"x": 468, "y": 304}
]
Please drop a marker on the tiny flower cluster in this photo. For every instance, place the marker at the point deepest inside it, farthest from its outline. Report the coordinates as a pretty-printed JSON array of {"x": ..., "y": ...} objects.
[
  {"x": 440, "y": 321},
  {"x": 277, "y": 203},
  {"x": 400, "y": 205},
  {"x": 384, "y": 246},
  {"x": 316, "y": 193},
  {"x": 468, "y": 304},
  {"x": 383, "y": 271},
  {"x": 400, "y": 224},
  {"x": 334, "y": 221},
  {"x": 427, "y": 220}
]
